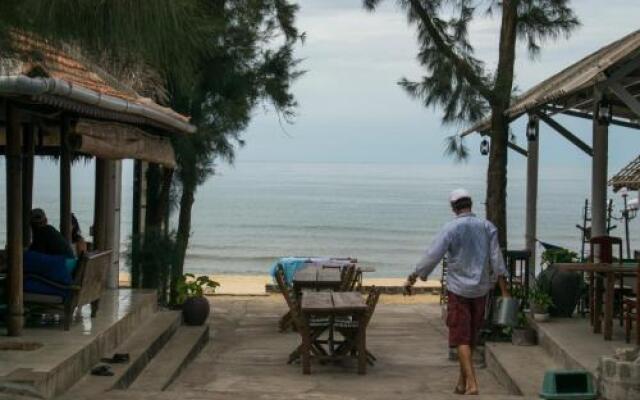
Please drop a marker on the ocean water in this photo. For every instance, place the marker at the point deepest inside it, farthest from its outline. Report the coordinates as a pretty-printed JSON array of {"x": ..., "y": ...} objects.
[{"x": 250, "y": 214}]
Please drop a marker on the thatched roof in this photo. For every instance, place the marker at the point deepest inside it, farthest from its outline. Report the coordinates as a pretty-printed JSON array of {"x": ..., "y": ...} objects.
[
  {"x": 572, "y": 88},
  {"x": 628, "y": 177},
  {"x": 38, "y": 72}
]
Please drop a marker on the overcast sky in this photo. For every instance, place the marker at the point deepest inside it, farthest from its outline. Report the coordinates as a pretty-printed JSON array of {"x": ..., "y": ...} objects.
[{"x": 351, "y": 109}]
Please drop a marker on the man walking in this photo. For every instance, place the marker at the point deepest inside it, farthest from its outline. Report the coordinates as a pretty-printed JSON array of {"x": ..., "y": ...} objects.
[{"x": 474, "y": 265}]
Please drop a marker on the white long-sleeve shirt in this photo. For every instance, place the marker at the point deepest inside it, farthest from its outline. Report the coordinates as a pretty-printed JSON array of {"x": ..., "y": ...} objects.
[{"x": 474, "y": 257}]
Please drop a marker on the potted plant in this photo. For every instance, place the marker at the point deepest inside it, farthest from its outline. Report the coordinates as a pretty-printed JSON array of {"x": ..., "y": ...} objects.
[
  {"x": 190, "y": 291},
  {"x": 564, "y": 287},
  {"x": 523, "y": 334},
  {"x": 540, "y": 301}
]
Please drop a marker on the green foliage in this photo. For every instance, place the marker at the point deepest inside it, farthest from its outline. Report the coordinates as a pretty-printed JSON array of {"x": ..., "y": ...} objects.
[
  {"x": 190, "y": 286},
  {"x": 456, "y": 148},
  {"x": 250, "y": 62},
  {"x": 551, "y": 256},
  {"x": 131, "y": 35},
  {"x": 456, "y": 81},
  {"x": 540, "y": 299}
]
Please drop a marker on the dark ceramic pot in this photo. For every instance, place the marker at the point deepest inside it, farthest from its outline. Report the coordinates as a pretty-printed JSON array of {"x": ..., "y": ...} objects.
[
  {"x": 195, "y": 310},
  {"x": 565, "y": 289}
]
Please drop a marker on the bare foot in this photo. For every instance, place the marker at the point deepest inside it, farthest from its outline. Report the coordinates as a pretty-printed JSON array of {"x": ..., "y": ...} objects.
[
  {"x": 472, "y": 392},
  {"x": 459, "y": 390}
]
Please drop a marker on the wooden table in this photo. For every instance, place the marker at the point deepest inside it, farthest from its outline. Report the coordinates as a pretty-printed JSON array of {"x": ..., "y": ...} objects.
[
  {"x": 610, "y": 273},
  {"x": 333, "y": 304},
  {"x": 317, "y": 278}
]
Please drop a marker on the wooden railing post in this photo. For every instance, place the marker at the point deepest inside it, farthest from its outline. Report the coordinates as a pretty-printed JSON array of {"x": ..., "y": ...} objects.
[{"x": 15, "y": 320}]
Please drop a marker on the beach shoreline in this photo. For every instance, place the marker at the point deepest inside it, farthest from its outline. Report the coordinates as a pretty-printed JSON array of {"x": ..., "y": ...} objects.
[{"x": 255, "y": 285}]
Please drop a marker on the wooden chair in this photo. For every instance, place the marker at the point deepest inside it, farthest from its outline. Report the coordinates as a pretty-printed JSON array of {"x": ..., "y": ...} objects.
[
  {"x": 87, "y": 287},
  {"x": 309, "y": 331},
  {"x": 629, "y": 311},
  {"x": 349, "y": 327},
  {"x": 349, "y": 278}
]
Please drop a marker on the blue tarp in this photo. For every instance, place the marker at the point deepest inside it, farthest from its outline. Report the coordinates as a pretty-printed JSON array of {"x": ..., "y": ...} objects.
[
  {"x": 290, "y": 265},
  {"x": 48, "y": 266}
]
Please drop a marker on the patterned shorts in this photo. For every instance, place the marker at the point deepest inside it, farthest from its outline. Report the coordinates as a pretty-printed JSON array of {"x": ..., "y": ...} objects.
[{"x": 465, "y": 317}]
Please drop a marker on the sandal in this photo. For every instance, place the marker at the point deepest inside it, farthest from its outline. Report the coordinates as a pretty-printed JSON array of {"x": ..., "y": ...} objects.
[
  {"x": 102, "y": 370},
  {"x": 118, "y": 358}
]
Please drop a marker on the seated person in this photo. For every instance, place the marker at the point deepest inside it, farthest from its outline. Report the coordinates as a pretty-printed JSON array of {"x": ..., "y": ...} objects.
[
  {"x": 45, "y": 238},
  {"x": 79, "y": 244}
]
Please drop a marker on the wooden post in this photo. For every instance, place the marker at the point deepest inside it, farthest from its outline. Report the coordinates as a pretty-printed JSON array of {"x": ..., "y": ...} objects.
[
  {"x": 65, "y": 180},
  {"x": 27, "y": 182},
  {"x": 14, "y": 221},
  {"x": 113, "y": 222},
  {"x": 532, "y": 198},
  {"x": 99, "y": 237},
  {"x": 136, "y": 222},
  {"x": 599, "y": 171},
  {"x": 104, "y": 216}
]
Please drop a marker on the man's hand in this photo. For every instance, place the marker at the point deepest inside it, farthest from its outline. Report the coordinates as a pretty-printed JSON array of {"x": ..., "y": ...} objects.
[
  {"x": 411, "y": 280},
  {"x": 503, "y": 287}
]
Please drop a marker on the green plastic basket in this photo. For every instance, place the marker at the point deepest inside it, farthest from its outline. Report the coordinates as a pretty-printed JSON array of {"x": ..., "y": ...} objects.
[{"x": 568, "y": 385}]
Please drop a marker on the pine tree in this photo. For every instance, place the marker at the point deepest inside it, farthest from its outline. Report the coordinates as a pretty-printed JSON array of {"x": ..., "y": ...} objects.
[{"x": 459, "y": 83}]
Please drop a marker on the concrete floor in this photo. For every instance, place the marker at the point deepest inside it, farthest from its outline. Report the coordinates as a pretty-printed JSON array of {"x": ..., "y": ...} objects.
[
  {"x": 54, "y": 346},
  {"x": 246, "y": 357}
]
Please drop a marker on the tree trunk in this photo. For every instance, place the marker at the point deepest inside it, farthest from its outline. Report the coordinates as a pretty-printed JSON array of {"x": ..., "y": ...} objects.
[
  {"x": 164, "y": 214},
  {"x": 182, "y": 237},
  {"x": 496, "y": 205},
  {"x": 156, "y": 260}
]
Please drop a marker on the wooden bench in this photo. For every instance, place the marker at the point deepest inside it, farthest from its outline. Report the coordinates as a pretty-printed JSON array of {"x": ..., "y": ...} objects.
[{"x": 87, "y": 287}]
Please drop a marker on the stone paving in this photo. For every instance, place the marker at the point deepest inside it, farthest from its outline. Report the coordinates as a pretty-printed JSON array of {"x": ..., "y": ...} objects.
[{"x": 246, "y": 357}]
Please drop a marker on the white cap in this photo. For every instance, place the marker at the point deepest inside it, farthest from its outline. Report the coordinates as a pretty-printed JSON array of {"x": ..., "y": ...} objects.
[{"x": 459, "y": 194}]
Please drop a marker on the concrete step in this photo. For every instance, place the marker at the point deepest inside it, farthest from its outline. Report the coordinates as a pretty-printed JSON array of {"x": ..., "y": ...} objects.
[
  {"x": 571, "y": 343},
  {"x": 303, "y": 395},
  {"x": 520, "y": 368},
  {"x": 183, "y": 347},
  {"x": 142, "y": 346},
  {"x": 66, "y": 356}
]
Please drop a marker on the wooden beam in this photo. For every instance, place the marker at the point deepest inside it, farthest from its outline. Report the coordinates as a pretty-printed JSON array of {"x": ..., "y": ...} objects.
[
  {"x": 590, "y": 117},
  {"x": 65, "y": 180},
  {"x": 15, "y": 320},
  {"x": 27, "y": 182},
  {"x": 517, "y": 148},
  {"x": 626, "y": 97},
  {"x": 625, "y": 70},
  {"x": 565, "y": 133}
]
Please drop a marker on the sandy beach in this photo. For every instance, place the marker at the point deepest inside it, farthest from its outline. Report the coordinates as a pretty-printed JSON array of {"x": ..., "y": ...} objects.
[{"x": 254, "y": 285}]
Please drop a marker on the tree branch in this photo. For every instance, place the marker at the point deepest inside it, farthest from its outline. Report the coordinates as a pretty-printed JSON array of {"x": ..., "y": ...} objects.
[{"x": 462, "y": 65}]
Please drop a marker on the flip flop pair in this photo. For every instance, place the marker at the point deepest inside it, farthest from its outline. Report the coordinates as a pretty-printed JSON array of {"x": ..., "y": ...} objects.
[
  {"x": 117, "y": 358},
  {"x": 102, "y": 370}
]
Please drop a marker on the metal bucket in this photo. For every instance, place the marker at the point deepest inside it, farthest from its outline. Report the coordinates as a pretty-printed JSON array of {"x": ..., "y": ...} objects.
[{"x": 506, "y": 311}]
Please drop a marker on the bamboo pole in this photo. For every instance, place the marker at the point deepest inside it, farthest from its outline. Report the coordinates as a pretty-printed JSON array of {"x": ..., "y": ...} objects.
[
  {"x": 27, "y": 182},
  {"x": 65, "y": 180},
  {"x": 14, "y": 221}
]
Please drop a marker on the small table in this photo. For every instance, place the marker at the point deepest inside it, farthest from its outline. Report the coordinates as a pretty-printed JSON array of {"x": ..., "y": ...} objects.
[
  {"x": 311, "y": 278},
  {"x": 610, "y": 272},
  {"x": 333, "y": 304},
  {"x": 317, "y": 278}
]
